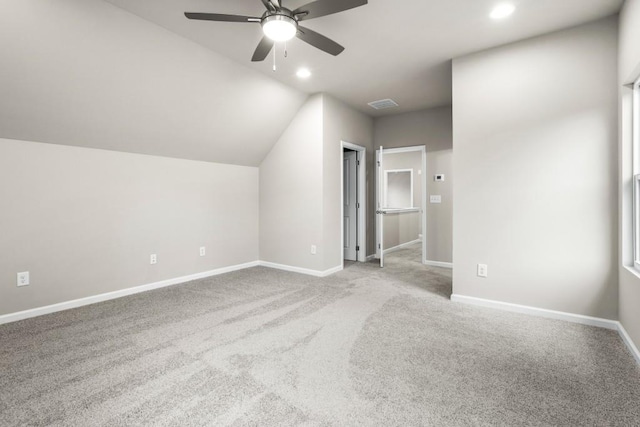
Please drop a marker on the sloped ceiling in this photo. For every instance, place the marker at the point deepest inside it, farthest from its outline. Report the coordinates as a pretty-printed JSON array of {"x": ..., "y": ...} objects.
[
  {"x": 394, "y": 49},
  {"x": 86, "y": 73}
]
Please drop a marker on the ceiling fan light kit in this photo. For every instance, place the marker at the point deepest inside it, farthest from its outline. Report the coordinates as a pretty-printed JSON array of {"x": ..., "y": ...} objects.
[
  {"x": 280, "y": 24},
  {"x": 279, "y": 28}
]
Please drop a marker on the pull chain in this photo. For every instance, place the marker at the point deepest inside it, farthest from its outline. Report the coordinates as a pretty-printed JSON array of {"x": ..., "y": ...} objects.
[
  {"x": 285, "y": 49},
  {"x": 275, "y": 47}
]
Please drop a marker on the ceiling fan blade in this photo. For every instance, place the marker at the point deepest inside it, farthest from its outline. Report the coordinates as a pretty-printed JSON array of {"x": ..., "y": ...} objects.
[
  {"x": 277, "y": 3},
  {"x": 263, "y": 49},
  {"x": 320, "y": 8},
  {"x": 270, "y": 7},
  {"x": 220, "y": 17},
  {"x": 319, "y": 41}
]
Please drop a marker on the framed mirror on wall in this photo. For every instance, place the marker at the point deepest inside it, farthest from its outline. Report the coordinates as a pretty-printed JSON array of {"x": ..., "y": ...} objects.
[{"x": 398, "y": 189}]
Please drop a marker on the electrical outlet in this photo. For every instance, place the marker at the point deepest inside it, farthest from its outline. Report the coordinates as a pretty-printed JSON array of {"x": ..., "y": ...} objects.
[
  {"x": 23, "y": 278},
  {"x": 313, "y": 249},
  {"x": 438, "y": 178},
  {"x": 203, "y": 251},
  {"x": 153, "y": 259},
  {"x": 482, "y": 270}
]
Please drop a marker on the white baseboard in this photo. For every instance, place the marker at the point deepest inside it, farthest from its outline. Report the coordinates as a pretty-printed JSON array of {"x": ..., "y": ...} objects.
[
  {"x": 21, "y": 315},
  {"x": 401, "y": 246},
  {"x": 558, "y": 315},
  {"x": 307, "y": 271},
  {"x": 53, "y": 308},
  {"x": 629, "y": 342},
  {"x": 371, "y": 257},
  {"x": 439, "y": 264},
  {"x": 540, "y": 312}
]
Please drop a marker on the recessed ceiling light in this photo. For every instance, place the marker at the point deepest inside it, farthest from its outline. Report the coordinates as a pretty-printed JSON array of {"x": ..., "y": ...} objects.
[
  {"x": 502, "y": 10},
  {"x": 303, "y": 73}
]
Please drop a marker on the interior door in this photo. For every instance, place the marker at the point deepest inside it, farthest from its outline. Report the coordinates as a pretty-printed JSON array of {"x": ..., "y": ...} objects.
[
  {"x": 350, "y": 200},
  {"x": 379, "y": 204}
]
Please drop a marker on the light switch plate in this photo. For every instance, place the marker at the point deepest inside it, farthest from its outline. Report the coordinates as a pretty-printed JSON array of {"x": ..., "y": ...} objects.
[{"x": 435, "y": 199}]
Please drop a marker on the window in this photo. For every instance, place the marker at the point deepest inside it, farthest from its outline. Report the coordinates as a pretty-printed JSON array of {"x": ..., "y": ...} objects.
[{"x": 636, "y": 173}]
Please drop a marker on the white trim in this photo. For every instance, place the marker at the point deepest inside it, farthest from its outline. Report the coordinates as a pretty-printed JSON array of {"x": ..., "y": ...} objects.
[
  {"x": 26, "y": 314},
  {"x": 401, "y": 246},
  {"x": 404, "y": 149},
  {"x": 371, "y": 257},
  {"x": 540, "y": 312},
  {"x": 633, "y": 271},
  {"x": 307, "y": 271},
  {"x": 439, "y": 264},
  {"x": 425, "y": 231},
  {"x": 558, "y": 315},
  {"x": 48, "y": 309},
  {"x": 629, "y": 342}
]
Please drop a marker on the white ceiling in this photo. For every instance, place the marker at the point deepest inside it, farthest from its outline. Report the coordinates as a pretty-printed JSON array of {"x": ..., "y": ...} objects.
[{"x": 394, "y": 49}]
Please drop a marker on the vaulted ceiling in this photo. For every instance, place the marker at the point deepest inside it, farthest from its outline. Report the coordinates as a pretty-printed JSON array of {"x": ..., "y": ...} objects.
[
  {"x": 394, "y": 49},
  {"x": 86, "y": 73},
  {"x": 93, "y": 74}
]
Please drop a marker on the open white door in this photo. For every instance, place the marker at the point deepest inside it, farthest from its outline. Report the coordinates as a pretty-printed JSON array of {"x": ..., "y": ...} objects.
[
  {"x": 401, "y": 202},
  {"x": 350, "y": 209},
  {"x": 379, "y": 203}
]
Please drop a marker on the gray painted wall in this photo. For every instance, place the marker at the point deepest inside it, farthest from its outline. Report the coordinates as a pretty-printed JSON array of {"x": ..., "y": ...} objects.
[
  {"x": 629, "y": 70},
  {"x": 86, "y": 73},
  {"x": 84, "y": 221},
  {"x": 291, "y": 193},
  {"x": 342, "y": 123},
  {"x": 300, "y": 193},
  {"x": 535, "y": 147},
  {"x": 432, "y": 128}
]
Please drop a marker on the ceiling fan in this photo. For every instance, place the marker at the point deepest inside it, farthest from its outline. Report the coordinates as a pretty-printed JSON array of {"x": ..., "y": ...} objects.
[{"x": 281, "y": 24}]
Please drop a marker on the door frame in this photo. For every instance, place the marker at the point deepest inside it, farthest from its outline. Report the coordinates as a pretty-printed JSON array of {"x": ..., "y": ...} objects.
[
  {"x": 423, "y": 205},
  {"x": 361, "y": 212}
]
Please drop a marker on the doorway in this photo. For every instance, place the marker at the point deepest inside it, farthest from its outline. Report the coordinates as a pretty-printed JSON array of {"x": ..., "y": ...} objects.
[
  {"x": 353, "y": 196},
  {"x": 401, "y": 197}
]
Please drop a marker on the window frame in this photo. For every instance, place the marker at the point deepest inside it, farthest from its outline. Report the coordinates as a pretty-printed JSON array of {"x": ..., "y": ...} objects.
[{"x": 635, "y": 135}]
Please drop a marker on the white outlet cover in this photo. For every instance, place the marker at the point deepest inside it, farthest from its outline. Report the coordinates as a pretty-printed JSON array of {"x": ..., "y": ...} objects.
[
  {"x": 153, "y": 259},
  {"x": 313, "y": 249},
  {"x": 23, "y": 278},
  {"x": 482, "y": 270},
  {"x": 203, "y": 251}
]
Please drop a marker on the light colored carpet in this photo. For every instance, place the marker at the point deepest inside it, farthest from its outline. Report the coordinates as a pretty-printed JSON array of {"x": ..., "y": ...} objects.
[{"x": 367, "y": 346}]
